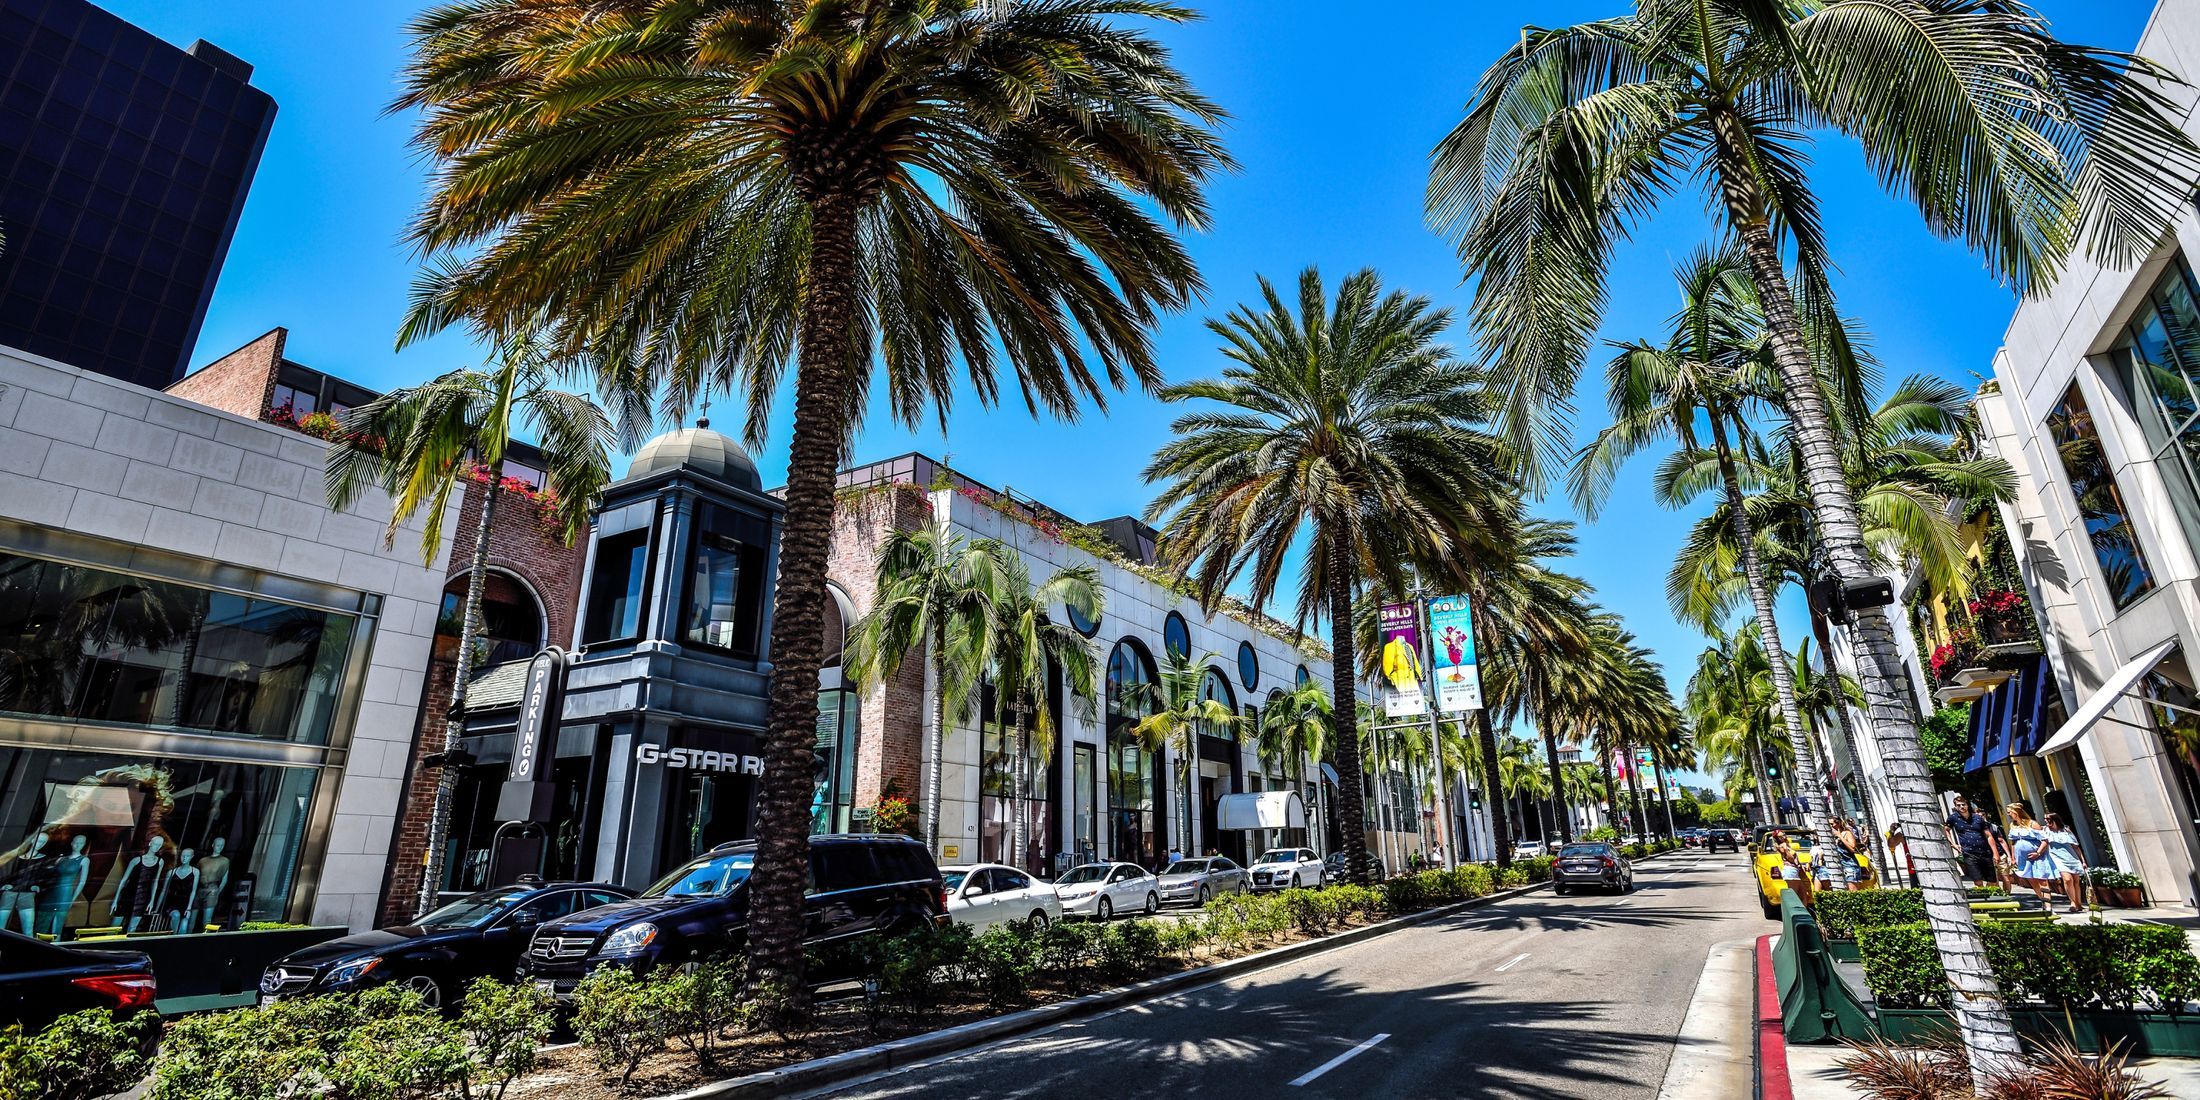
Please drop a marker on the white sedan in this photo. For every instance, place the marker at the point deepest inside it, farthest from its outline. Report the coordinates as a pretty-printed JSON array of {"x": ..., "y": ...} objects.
[
  {"x": 987, "y": 894},
  {"x": 1101, "y": 890},
  {"x": 1287, "y": 868}
]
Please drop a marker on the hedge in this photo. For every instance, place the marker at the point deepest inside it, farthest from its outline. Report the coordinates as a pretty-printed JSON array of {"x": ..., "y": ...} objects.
[
  {"x": 2112, "y": 966},
  {"x": 1841, "y": 912}
]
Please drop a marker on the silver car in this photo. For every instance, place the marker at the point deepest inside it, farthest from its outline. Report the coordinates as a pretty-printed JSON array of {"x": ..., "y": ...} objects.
[{"x": 1193, "y": 881}]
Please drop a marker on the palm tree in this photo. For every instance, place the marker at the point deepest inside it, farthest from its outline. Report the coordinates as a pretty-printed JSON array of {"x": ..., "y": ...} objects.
[
  {"x": 1519, "y": 775},
  {"x": 933, "y": 592},
  {"x": 2018, "y": 144},
  {"x": 1177, "y": 714},
  {"x": 1295, "y": 726},
  {"x": 705, "y": 194},
  {"x": 1346, "y": 424},
  {"x": 1026, "y": 646},
  {"x": 421, "y": 444}
]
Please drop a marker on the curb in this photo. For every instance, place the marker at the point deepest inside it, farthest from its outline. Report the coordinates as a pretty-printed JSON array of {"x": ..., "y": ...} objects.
[
  {"x": 849, "y": 1065},
  {"x": 1773, "y": 1082}
]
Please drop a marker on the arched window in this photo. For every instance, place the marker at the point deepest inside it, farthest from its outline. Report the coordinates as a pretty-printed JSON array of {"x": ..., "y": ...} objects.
[
  {"x": 1214, "y": 687},
  {"x": 1248, "y": 666},
  {"x": 1130, "y": 767},
  {"x": 1176, "y": 636},
  {"x": 839, "y": 727}
]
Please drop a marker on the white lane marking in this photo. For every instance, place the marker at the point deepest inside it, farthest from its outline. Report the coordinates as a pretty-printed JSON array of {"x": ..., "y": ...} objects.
[
  {"x": 1333, "y": 1063},
  {"x": 1513, "y": 962}
]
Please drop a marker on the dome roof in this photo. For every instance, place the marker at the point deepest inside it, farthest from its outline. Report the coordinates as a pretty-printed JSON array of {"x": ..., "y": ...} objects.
[{"x": 697, "y": 450}]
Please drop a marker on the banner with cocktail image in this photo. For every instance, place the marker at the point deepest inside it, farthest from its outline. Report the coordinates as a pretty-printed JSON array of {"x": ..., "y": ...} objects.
[
  {"x": 1403, "y": 695},
  {"x": 1458, "y": 678}
]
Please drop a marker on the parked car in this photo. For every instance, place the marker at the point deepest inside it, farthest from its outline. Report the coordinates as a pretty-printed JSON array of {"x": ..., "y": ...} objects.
[
  {"x": 1101, "y": 890},
  {"x": 1593, "y": 864},
  {"x": 1193, "y": 881},
  {"x": 1765, "y": 862},
  {"x": 1284, "y": 868},
  {"x": 479, "y": 935},
  {"x": 1694, "y": 838},
  {"x": 1334, "y": 870},
  {"x": 41, "y": 982},
  {"x": 1527, "y": 849},
  {"x": 860, "y": 884},
  {"x": 987, "y": 894},
  {"x": 1722, "y": 840}
]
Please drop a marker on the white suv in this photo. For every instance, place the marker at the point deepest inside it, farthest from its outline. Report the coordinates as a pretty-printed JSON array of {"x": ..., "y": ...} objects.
[{"x": 1284, "y": 868}]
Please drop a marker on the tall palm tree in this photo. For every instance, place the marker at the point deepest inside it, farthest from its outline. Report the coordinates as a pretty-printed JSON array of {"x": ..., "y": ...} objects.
[
  {"x": 1027, "y": 647},
  {"x": 1520, "y": 775},
  {"x": 2020, "y": 145},
  {"x": 1294, "y": 727},
  {"x": 1176, "y": 716},
  {"x": 1346, "y": 424},
  {"x": 934, "y": 593},
  {"x": 421, "y": 444},
  {"x": 709, "y": 192}
]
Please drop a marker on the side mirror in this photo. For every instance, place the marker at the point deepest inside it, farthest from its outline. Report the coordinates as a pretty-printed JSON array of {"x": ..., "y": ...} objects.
[
  {"x": 526, "y": 918},
  {"x": 974, "y": 891}
]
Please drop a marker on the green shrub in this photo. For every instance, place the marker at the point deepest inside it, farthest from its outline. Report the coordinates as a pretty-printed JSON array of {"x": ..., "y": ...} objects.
[
  {"x": 1070, "y": 949},
  {"x": 1182, "y": 937},
  {"x": 397, "y": 1048},
  {"x": 1001, "y": 962},
  {"x": 18, "y": 1066},
  {"x": 1513, "y": 876},
  {"x": 506, "y": 1023},
  {"x": 700, "y": 1002},
  {"x": 1841, "y": 912},
  {"x": 620, "y": 1018},
  {"x": 1404, "y": 894},
  {"x": 1129, "y": 950},
  {"x": 1315, "y": 912},
  {"x": 81, "y": 1056},
  {"x": 912, "y": 968},
  {"x": 2115, "y": 966},
  {"x": 384, "y": 1044}
]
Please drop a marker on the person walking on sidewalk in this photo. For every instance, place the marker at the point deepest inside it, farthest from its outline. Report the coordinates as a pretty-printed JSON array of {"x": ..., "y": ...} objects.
[
  {"x": 2029, "y": 848},
  {"x": 1978, "y": 844},
  {"x": 1848, "y": 847},
  {"x": 2069, "y": 861}
]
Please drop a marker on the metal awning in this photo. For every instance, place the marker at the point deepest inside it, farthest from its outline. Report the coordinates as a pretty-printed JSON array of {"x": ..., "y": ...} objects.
[
  {"x": 1260, "y": 810},
  {"x": 1329, "y": 773},
  {"x": 2096, "y": 705}
]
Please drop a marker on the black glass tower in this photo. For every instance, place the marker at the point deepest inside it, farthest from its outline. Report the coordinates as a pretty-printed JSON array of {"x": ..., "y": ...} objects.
[{"x": 124, "y": 163}]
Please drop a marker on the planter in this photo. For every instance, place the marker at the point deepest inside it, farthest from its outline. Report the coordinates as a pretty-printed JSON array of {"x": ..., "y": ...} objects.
[
  {"x": 2120, "y": 897},
  {"x": 2144, "y": 1034},
  {"x": 1844, "y": 951}
]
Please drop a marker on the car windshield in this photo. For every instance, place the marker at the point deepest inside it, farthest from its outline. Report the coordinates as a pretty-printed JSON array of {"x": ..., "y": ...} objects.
[
  {"x": 1187, "y": 867},
  {"x": 1583, "y": 850},
  {"x": 1280, "y": 855},
  {"x": 473, "y": 910},
  {"x": 953, "y": 879},
  {"x": 1091, "y": 872},
  {"x": 705, "y": 877}
]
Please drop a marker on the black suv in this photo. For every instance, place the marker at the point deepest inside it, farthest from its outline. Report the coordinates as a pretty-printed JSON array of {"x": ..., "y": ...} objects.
[{"x": 860, "y": 884}]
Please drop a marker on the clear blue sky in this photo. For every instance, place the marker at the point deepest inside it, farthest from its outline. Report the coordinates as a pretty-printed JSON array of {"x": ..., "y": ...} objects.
[{"x": 1334, "y": 114}]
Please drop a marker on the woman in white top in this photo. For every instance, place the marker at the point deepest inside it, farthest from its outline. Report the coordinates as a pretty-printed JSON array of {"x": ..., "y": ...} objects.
[
  {"x": 2028, "y": 851},
  {"x": 2069, "y": 860}
]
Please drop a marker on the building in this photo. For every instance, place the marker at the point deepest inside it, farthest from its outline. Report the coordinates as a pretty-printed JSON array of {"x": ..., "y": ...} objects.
[
  {"x": 209, "y": 680},
  {"x": 2093, "y": 403},
  {"x": 530, "y": 600},
  {"x": 127, "y": 162}
]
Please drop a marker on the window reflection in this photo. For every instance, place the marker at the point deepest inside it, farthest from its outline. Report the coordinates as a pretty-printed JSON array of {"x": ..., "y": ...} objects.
[
  {"x": 2100, "y": 503},
  {"x": 1130, "y": 767},
  {"x": 725, "y": 581},
  {"x": 615, "y": 592},
  {"x": 2161, "y": 366}
]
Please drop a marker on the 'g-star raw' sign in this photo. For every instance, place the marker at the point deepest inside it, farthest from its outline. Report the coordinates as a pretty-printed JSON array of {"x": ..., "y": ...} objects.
[{"x": 709, "y": 760}]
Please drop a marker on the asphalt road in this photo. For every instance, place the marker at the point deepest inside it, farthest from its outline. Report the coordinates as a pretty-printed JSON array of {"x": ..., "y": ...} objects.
[{"x": 1540, "y": 997}]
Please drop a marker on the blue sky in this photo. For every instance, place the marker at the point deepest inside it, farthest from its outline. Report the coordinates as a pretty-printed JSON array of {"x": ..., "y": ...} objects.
[{"x": 1333, "y": 120}]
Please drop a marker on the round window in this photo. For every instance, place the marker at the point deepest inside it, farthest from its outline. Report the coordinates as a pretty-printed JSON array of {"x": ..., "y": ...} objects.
[
  {"x": 1176, "y": 637},
  {"x": 1081, "y": 624},
  {"x": 1248, "y": 666}
]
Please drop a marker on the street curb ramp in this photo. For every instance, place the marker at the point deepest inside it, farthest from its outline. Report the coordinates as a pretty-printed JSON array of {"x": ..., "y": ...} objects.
[{"x": 850, "y": 1065}]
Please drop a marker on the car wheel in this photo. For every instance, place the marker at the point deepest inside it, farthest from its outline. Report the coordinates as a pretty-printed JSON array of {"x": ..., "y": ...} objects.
[
  {"x": 1038, "y": 919},
  {"x": 1103, "y": 911},
  {"x": 1153, "y": 903},
  {"x": 431, "y": 993},
  {"x": 1561, "y": 889},
  {"x": 1202, "y": 902}
]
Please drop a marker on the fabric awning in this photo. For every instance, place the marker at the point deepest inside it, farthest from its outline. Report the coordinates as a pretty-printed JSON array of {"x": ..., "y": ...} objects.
[
  {"x": 1260, "y": 810},
  {"x": 2098, "y": 703}
]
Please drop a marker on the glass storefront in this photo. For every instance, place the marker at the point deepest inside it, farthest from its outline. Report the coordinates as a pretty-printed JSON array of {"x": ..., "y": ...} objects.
[
  {"x": 839, "y": 725},
  {"x": 2160, "y": 360},
  {"x": 2100, "y": 502},
  {"x": 103, "y": 843},
  {"x": 1131, "y": 779}
]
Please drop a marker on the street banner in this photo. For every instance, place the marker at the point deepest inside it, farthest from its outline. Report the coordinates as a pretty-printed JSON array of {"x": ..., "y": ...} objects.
[
  {"x": 1458, "y": 677},
  {"x": 1403, "y": 695}
]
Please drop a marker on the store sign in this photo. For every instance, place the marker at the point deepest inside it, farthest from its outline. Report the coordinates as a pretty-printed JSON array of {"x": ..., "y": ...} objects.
[
  {"x": 527, "y": 791},
  {"x": 1458, "y": 676},
  {"x": 1400, "y": 627},
  {"x": 703, "y": 760}
]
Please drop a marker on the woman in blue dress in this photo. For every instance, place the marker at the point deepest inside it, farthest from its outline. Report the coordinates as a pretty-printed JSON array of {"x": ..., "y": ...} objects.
[{"x": 2029, "y": 847}]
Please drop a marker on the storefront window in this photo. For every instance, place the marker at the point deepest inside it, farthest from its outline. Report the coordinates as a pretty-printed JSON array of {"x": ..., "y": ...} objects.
[
  {"x": 1012, "y": 784},
  {"x": 100, "y": 844},
  {"x": 1130, "y": 767},
  {"x": 615, "y": 591},
  {"x": 725, "y": 581},
  {"x": 86, "y": 643},
  {"x": 2161, "y": 364},
  {"x": 510, "y": 630},
  {"x": 2100, "y": 503},
  {"x": 1214, "y": 689},
  {"x": 839, "y": 724}
]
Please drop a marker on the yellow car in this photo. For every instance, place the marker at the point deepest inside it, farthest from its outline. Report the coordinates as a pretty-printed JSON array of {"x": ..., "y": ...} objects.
[{"x": 1766, "y": 863}]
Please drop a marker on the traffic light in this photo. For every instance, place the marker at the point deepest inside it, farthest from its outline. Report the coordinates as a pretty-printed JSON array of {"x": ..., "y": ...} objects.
[
  {"x": 1772, "y": 764},
  {"x": 1474, "y": 799}
]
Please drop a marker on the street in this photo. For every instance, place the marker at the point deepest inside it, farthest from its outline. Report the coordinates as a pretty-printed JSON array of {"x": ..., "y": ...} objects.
[{"x": 1538, "y": 997}]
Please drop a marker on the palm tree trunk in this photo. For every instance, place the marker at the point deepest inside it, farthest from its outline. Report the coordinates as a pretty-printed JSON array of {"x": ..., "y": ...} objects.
[
  {"x": 1989, "y": 1035},
  {"x": 1494, "y": 789},
  {"x": 1848, "y": 745},
  {"x": 1558, "y": 784},
  {"x": 1344, "y": 696},
  {"x": 454, "y": 725},
  {"x": 1634, "y": 793},
  {"x": 797, "y": 642},
  {"x": 1611, "y": 787},
  {"x": 1665, "y": 793},
  {"x": 938, "y": 737},
  {"x": 1768, "y": 632}
]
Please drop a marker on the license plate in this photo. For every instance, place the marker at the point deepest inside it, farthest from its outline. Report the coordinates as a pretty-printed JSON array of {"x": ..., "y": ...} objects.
[
  {"x": 546, "y": 985},
  {"x": 267, "y": 999}
]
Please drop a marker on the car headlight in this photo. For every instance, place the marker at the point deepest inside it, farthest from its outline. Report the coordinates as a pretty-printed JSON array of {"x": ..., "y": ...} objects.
[
  {"x": 346, "y": 973},
  {"x": 630, "y": 940},
  {"x": 1073, "y": 895}
]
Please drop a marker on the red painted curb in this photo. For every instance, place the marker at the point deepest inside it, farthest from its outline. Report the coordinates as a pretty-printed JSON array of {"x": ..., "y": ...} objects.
[{"x": 1771, "y": 1041}]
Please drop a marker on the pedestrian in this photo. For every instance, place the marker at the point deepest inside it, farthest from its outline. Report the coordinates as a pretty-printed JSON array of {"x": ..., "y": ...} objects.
[
  {"x": 1978, "y": 844},
  {"x": 1898, "y": 845},
  {"x": 2029, "y": 859},
  {"x": 1175, "y": 854},
  {"x": 1792, "y": 871},
  {"x": 1848, "y": 847},
  {"x": 2069, "y": 860}
]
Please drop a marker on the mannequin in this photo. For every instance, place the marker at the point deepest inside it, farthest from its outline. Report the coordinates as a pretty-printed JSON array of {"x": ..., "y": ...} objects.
[
  {"x": 137, "y": 895},
  {"x": 179, "y": 892},
  {"x": 213, "y": 881},
  {"x": 70, "y": 872},
  {"x": 21, "y": 880}
]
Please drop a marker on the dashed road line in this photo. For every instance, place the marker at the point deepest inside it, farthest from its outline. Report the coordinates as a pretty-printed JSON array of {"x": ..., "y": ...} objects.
[{"x": 1308, "y": 1077}]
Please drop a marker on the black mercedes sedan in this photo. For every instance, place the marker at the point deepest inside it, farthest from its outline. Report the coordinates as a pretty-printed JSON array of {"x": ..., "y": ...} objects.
[
  {"x": 479, "y": 935},
  {"x": 41, "y": 982}
]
